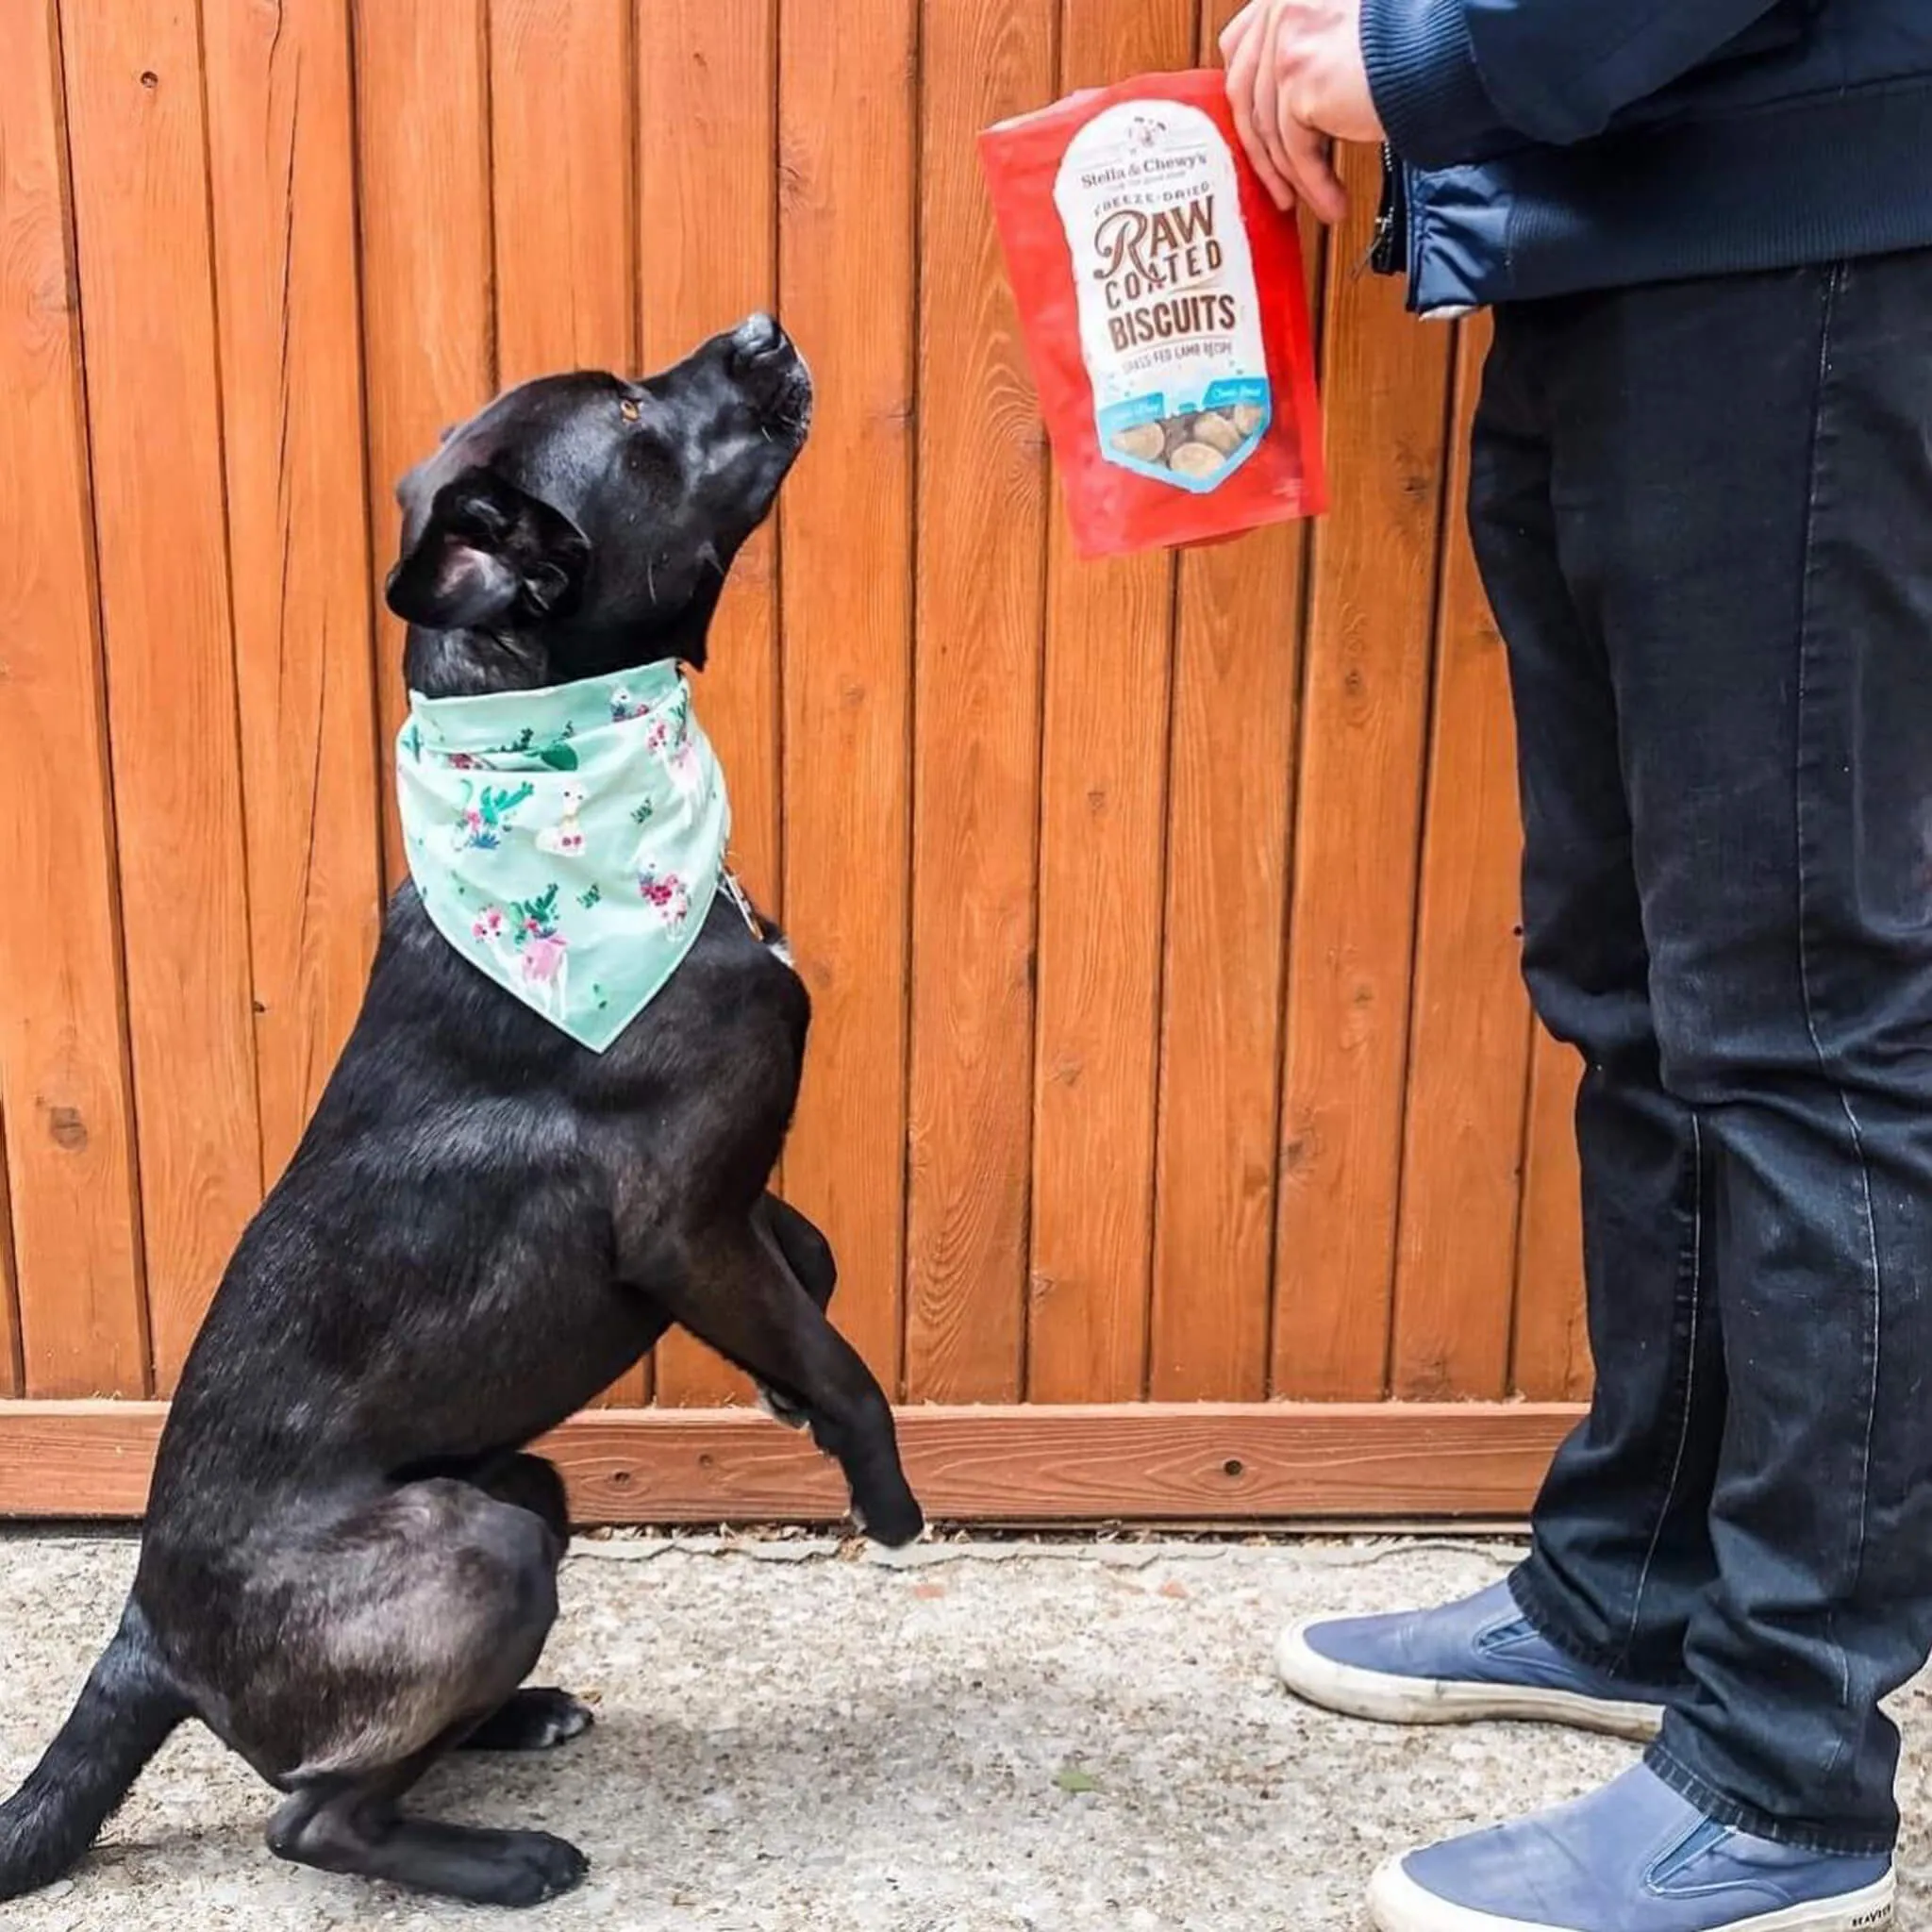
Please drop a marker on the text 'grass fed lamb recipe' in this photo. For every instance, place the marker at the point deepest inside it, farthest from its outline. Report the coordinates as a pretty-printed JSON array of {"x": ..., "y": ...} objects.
[{"x": 1166, "y": 319}]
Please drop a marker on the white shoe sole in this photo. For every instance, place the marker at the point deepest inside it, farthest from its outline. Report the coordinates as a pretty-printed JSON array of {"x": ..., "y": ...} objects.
[
  {"x": 1398, "y": 1903},
  {"x": 1385, "y": 1698}
]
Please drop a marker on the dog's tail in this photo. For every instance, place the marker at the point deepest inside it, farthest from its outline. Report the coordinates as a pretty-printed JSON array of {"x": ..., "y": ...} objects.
[{"x": 126, "y": 1710}]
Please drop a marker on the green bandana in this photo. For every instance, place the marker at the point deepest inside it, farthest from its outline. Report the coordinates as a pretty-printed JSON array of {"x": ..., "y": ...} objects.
[{"x": 569, "y": 841}]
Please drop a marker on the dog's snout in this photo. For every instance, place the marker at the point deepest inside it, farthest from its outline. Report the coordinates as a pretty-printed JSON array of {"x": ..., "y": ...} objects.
[
  {"x": 768, "y": 373},
  {"x": 757, "y": 340}
]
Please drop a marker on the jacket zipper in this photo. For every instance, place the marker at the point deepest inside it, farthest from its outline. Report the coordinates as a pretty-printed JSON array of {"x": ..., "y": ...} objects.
[{"x": 1389, "y": 252}]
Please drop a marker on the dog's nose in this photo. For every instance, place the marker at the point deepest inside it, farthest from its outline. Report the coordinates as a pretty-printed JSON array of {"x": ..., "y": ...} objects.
[{"x": 757, "y": 339}]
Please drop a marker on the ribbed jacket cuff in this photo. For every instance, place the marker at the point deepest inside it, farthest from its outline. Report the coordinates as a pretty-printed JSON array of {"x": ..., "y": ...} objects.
[{"x": 1423, "y": 73}]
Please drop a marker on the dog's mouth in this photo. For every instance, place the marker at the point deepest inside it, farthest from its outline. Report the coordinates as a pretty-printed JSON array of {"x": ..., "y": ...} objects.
[{"x": 792, "y": 412}]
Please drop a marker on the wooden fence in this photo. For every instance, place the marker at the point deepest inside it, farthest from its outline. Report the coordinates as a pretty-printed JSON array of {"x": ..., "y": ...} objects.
[{"x": 1173, "y": 1102}]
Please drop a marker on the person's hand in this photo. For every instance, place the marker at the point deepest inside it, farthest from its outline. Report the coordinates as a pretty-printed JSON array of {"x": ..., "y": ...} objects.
[{"x": 1296, "y": 80}]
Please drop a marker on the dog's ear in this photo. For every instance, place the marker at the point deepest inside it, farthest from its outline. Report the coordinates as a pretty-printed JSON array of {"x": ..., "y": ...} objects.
[{"x": 486, "y": 550}]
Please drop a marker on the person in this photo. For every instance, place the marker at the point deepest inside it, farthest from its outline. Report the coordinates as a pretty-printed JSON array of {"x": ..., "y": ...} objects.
[{"x": 1700, "y": 498}]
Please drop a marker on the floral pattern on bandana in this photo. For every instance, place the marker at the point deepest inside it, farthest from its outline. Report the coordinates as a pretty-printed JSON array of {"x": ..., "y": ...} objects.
[{"x": 569, "y": 840}]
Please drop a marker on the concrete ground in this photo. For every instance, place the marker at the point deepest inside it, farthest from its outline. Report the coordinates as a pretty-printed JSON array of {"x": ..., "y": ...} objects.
[{"x": 978, "y": 1739}]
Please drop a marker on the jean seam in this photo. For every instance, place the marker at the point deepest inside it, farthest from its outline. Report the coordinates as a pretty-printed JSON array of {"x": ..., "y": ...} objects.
[
  {"x": 1694, "y": 1789},
  {"x": 1670, "y": 1497},
  {"x": 1806, "y": 613}
]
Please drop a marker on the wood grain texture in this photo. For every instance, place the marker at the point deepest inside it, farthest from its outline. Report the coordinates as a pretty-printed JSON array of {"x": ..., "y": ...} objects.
[
  {"x": 423, "y": 139},
  {"x": 1190, "y": 1462},
  {"x": 560, "y": 93},
  {"x": 1469, "y": 1031},
  {"x": 845, "y": 259},
  {"x": 1103, "y": 857},
  {"x": 1237, "y": 672},
  {"x": 1552, "y": 1342},
  {"x": 141, "y": 190},
  {"x": 706, "y": 200},
  {"x": 10, "y": 1366},
  {"x": 282, "y": 150},
  {"x": 1357, "y": 819},
  {"x": 975, "y": 804},
  {"x": 64, "y": 1091}
]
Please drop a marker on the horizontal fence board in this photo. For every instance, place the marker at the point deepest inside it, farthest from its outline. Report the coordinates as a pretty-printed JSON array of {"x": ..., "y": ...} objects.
[{"x": 1232, "y": 1463}]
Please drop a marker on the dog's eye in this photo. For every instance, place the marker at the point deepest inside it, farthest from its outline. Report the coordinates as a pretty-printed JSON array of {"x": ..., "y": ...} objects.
[{"x": 628, "y": 411}]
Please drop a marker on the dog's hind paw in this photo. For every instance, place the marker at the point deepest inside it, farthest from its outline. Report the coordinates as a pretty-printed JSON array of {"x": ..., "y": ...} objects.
[{"x": 532, "y": 1721}]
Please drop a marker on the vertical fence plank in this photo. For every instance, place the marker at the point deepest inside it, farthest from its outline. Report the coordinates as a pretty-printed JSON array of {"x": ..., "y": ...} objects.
[
  {"x": 1552, "y": 1361},
  {"x": 845, "y": 261},
  {"x": 280, "y": 139},
  {"x": 560, "y": 96},
  {"x": 1352, "y": 914},
  {"x": 707, "y": 198},
  {"x": 1238, "y": 656},
  {"x": 68, "y": 1125},
  {"x": 10, "y": 1367},
  {"x": 1110, "y": 639},
  {"x": 423, "y": 137},
  {"x": 140, "y": 186},
  {"x": 1468, "y": 1030},
  {"x": 976, "y": 728}
]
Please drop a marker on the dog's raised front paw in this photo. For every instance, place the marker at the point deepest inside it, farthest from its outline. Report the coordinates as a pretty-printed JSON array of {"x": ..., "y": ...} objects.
[{"x": 893, "y": 1521}]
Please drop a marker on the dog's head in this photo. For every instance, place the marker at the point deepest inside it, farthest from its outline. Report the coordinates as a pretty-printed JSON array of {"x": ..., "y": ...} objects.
[{"x": 580, "y": 523}]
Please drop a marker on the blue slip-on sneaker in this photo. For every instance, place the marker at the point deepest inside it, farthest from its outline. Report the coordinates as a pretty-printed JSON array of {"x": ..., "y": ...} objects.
[
  {"x": 1633, "y": 1856},
  {"x": 1477, "y": 1660}
]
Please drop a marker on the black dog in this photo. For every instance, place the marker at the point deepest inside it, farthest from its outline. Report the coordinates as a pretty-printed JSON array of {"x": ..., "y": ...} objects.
[{"x": 349, "y": 1564}]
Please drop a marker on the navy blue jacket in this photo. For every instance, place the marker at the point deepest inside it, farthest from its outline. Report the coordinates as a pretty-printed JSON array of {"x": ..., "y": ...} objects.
[{"x": 1550, "y": 145}]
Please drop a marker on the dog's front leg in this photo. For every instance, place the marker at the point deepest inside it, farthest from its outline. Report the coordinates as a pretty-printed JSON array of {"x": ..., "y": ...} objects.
[{"x": 733, "y": 1289}]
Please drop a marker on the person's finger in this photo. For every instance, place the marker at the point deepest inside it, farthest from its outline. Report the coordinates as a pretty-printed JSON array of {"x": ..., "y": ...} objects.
[
  {"x": 1267, "y": 103},
  {"x": 1311, "y": 170},
  {"x": 1237, "y": 30},
  {"x": 1240, "y": 98}
]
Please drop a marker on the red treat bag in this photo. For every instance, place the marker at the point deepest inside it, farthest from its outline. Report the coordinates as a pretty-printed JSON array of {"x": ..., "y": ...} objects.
[{"x": 1166, "y": 318}]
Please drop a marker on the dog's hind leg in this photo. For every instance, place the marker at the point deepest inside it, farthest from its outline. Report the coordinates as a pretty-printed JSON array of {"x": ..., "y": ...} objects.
[
  {"x": 534, "y": 1717},
  {"x": 421, "y": 1612},
  {"x": 734, "y": 1290},
  {"x": 352, "y": 1826}
]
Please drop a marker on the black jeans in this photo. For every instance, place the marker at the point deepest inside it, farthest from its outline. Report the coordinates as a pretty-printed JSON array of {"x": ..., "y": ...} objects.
[{"x": 1704, "y": 516}]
